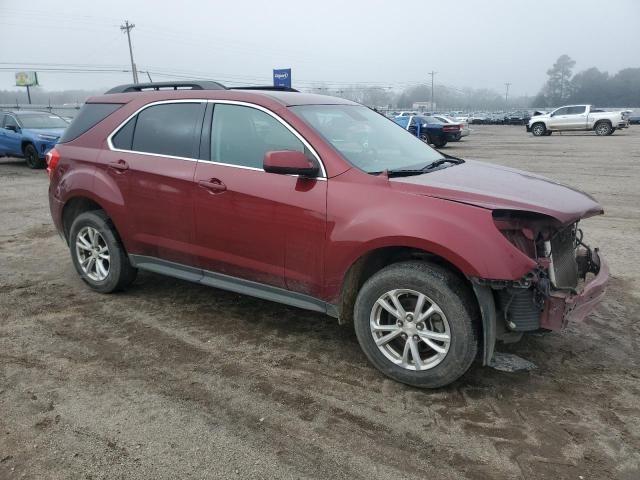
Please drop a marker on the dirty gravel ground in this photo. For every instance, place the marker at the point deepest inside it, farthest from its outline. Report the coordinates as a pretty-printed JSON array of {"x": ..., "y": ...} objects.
[{"x": 174, "y": 380}]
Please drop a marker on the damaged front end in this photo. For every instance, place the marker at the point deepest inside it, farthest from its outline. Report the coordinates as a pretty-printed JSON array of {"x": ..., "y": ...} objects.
[{"x": 567, "y": 283}]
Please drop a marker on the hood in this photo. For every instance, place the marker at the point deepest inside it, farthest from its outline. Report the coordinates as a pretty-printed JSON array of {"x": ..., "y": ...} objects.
[
  {"x": 500, "y": 188},
  {"x": 56, "y": 132},
  {"x": 539, "y": 116}
]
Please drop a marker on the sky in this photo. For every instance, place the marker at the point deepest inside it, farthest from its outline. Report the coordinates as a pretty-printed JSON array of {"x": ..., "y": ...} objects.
[{"x": 331, "y": 43}]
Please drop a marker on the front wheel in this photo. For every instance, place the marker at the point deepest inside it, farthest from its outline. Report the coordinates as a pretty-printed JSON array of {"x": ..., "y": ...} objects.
[
  {"x": 603, "y": 129},
  {"x": 538, "y": 129},
  {"x": 97, "y": 253},
  {"x": 32, "y": 158},
  {"x": 417, "y": 323}
]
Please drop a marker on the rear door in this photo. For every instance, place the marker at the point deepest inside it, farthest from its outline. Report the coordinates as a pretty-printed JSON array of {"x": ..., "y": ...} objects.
[
  {"x": 576, "y": 117},
  {"x": 253, "y": 225},
  {"x": 152, "y": 158}
]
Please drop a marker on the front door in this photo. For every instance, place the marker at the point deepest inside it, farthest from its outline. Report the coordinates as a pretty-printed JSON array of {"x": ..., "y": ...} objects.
[
  {"x": 10, "y": 138},
  {"x": 253, "y": 225},
  {"x": 559, "y": 119}
]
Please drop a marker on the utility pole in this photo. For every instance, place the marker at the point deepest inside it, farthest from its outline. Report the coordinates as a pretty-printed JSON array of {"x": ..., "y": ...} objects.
[
  {"x": 433, "y": 74},
  {"x": 506, "y": 93},
  {"x": 127, "y": 28}
]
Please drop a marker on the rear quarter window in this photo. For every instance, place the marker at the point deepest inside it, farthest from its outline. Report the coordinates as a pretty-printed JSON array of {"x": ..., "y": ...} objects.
[{"x": 90, "y": 115}]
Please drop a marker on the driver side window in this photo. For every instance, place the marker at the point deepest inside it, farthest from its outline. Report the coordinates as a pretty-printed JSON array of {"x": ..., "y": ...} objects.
[
  {"x": 242, "y": 135},
  {"x": 561, "y": 111},
  {"x": 9, "y": 121}
]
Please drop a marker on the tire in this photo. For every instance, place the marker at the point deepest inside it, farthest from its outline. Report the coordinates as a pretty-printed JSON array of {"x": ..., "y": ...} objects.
[
  {"x": 611, "y": 132},
  {"x": 119, "y": 272},
  {"x": 32, "y": 158},
  {"x": 548, "y": 133},
  {"x": 602, "y": 128},
  {"x": 538, "y": 129},
  {"x": 454, "y": 311},
  {"x": 440, "y": 143}
]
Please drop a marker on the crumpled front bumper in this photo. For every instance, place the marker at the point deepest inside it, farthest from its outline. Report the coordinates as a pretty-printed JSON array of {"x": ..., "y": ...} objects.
[{"x": 563, "y": 307}]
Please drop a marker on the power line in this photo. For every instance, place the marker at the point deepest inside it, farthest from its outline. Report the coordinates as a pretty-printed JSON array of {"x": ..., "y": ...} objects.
[{"x": 127, "y": 27}]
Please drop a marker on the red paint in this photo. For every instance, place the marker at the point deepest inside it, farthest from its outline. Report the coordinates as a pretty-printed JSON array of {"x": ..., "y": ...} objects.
[{"x": 294, "y": 232}]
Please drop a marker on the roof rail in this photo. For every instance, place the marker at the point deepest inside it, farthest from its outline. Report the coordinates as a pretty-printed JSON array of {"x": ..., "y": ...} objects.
[
  {"x": 190, "y": 85},
  {"x": 265, "y": 87}
]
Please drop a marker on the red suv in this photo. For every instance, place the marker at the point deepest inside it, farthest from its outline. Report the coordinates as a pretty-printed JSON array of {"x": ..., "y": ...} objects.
[{"x": 323, "y": 204}]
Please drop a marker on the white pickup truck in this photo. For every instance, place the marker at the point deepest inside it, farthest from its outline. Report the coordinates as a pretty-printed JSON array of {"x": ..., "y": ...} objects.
[{"x": 576, "y": 117}]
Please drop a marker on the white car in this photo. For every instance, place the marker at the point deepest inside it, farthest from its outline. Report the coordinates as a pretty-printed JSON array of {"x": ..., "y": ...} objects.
[
  {"x": 464, "y": 126},
  {"x": 576, "y": 118}
]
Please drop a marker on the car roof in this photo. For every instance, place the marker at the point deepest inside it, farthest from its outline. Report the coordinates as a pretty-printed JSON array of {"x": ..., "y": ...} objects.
[{"x": 280, "y": 98}]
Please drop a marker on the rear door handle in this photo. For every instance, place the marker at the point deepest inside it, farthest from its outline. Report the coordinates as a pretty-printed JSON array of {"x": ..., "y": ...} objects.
[
  {"x": 213, "y": 184},
  {"x": 120, "y": 165}
]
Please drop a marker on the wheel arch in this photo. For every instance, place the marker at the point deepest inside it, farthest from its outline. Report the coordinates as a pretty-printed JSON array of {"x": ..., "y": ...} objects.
[
  {"x": 25, "y": 142},
  {"x": 375, "y": 260},
  {"x": 76, "y": 205},
  {"x": 602, "y": 120}
]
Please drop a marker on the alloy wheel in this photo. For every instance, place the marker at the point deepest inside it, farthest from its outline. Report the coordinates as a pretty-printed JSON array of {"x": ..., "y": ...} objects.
[
  {"x": 93, "y": 254},
  {"x": 410, "y": 329},
  {"x": 538, "y": 130}
]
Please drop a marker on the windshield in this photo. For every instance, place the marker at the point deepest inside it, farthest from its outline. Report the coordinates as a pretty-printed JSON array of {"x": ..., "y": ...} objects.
[
  {"x": 42, "y": 120},
  {"x": 366, "y": 139}
]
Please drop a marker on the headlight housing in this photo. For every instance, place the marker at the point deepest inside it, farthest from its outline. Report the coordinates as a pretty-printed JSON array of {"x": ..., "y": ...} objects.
[
  {"x": 49, "y": 138},
  {"x": 527, "y": 231}
]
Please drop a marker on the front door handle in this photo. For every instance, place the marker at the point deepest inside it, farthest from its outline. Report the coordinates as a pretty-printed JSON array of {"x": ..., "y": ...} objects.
[
  {"x": 213, "y": 184},
  {"x": 120, "y": 165}
]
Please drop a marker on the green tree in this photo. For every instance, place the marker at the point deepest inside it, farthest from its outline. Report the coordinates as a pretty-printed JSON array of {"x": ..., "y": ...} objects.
[
  {"x": 558, "y": 87},
  {"x": 590, "y": 86}
]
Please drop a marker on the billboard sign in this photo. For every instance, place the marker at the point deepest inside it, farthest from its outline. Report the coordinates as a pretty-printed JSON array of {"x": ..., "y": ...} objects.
[
  {"x": 282, "y": 77},
  {"x": 26, "y": 79}
]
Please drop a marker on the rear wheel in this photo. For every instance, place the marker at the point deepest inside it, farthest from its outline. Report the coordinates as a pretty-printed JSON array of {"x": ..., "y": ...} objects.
[
  {"x": 417, "y": 323},
  {"x": 32, "y": 158},
  {"x": 97, "y": 253},
  {"x": 538, "y": 129},
  {"x": 603, "y": 128},
  {"x": 439, "y": 143}
]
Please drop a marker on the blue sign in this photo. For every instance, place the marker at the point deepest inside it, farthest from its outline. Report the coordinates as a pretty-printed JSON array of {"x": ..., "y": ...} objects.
[{"x": 282, "y": 77}]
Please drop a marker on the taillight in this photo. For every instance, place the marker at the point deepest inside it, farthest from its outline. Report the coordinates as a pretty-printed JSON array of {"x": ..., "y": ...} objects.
[{"x": 52, "y": 158}]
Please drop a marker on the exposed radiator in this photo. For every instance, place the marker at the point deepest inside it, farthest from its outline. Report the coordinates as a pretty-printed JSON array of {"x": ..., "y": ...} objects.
[{"x": 563, "y": 253}]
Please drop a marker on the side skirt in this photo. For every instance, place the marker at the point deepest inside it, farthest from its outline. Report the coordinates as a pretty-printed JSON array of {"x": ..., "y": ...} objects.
[{"x": 232, "y": 284}]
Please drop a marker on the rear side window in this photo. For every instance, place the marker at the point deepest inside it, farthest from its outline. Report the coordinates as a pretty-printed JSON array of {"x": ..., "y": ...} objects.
[
  {"x": 168, "y": 129},
  {"x": 89, "y": 115}
]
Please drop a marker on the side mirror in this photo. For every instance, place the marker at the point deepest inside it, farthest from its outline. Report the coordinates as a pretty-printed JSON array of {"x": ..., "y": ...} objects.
[
  {"x": 289, "y": 162},
  {"x": 13, "y": 128}
]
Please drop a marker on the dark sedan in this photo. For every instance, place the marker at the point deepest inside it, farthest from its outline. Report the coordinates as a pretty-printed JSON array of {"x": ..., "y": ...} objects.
[{"x": 429, "y": 129}]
